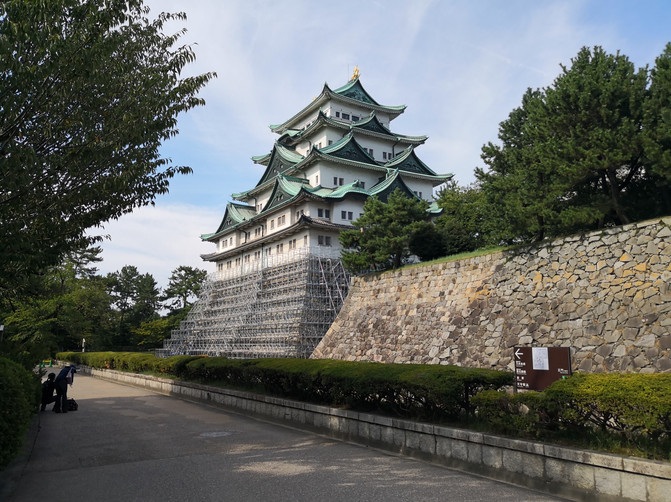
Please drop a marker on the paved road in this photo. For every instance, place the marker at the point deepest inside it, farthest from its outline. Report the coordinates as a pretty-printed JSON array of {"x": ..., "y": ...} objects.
[{"x": 129, "y": 444}]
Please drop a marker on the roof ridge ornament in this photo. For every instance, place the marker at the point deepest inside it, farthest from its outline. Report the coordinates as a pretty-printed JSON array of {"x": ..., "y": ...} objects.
[{"x": 355, "y": 75}]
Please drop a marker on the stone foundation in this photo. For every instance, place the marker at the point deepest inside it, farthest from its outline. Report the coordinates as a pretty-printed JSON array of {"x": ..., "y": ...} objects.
[{"x": 607, "y": 295}]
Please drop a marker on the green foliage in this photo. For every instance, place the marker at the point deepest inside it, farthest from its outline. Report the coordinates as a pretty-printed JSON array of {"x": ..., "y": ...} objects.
[
  {"x": 627, "y": 403},
  {"x": 466, "y": 218},
  {"x": 90, "y": 90},
  {"x": 136, "y": 298},
  {"x": 572, "y": 156},
  {"x": 631, "y": 412},
  {"x": 657, "y": 127},
  {"x": 184, "y": 285},
  {"x": 427, "y": 242},
  {"x": 62, "y": 309},
  {"x": 430, "y": 392},
  {"x": 19, "y": 400},
  {"x": 381, "y": 240},
  {"x": 618, "y": 412}
]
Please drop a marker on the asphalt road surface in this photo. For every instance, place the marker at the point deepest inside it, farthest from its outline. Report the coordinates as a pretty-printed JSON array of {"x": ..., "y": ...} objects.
[{"x": 129, "y": 444}]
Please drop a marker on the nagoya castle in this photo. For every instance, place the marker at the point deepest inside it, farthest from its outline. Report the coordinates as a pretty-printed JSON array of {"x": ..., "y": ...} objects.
[{"x": 279, "y": 282}]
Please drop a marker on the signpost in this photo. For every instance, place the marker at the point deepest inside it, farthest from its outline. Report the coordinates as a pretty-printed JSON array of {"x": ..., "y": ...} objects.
[{"x": 537, "y": 367}]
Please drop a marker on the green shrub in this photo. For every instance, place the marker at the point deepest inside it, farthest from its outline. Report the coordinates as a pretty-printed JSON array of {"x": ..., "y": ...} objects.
[
  {"x": 631, "y": 404},
  {"x": 19, "y": 400},
  {"x": 174, "y": 365}
]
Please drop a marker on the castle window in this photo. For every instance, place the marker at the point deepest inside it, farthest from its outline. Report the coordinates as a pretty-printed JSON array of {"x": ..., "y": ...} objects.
[
  {"x": 324, "y": 240},
  {"x": 345, "y": 116},
  {"x": 355, "y": 118},
  {"x": 272, "y": 224},
  {"x": 337, "y": 114},
  {"x": 305, "y": 241},
  {"x": 349, "y": 215},
  {"x": 384, "y": 155}
]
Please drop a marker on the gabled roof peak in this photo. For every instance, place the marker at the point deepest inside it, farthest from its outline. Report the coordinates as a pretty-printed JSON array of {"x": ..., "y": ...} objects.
[{"x": 352, "y": 92}]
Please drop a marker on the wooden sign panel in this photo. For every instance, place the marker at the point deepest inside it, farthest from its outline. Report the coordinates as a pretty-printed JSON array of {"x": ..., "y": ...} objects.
[{"x": 537, "y": 367}]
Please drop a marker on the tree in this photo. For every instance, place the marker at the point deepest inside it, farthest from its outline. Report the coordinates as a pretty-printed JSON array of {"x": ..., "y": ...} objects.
[
  {"x": 657, "y": 128},
  {"x": 150, "y": 334},
  {"x": 136, "y": 298},
  {"x": 184, "y": 284},
  {"x": 466, "y": 219},
  {"x": 381, "y": 240},
  {"x": 62, "y": 309},
  {"x": 90, "y": 89},
  {"x": 571, "y": 156}
]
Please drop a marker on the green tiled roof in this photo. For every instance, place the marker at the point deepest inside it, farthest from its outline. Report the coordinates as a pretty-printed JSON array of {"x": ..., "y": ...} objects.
[
  {"x": 409, "y": 162},
  {"x": 234, "y": 215},
  {"x": 352, "y": 92},
  {"x": 389, "y": 184},
  {"x": 281, "y": 159}
]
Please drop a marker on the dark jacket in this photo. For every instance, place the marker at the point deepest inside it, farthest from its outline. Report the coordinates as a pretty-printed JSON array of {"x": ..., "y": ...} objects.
[
  {"x": 62, "y": 376},
  {"x": 47, "y": 391}
]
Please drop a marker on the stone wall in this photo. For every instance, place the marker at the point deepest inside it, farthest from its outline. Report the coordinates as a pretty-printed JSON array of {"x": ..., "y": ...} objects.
[{"x": 607, "y": 295}]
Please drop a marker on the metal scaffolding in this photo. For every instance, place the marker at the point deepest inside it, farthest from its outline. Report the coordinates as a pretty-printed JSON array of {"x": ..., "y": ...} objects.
[{"x": 280, "y": 307}]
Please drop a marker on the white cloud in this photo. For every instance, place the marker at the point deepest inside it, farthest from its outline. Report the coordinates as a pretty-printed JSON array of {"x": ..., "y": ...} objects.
[
  {"x": 159, "y": 239},
  {"x": 461, "y": 67}
]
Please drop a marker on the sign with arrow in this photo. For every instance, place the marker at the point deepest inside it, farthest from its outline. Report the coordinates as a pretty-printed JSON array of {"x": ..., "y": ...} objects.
[{"x": 537, "y": 367}]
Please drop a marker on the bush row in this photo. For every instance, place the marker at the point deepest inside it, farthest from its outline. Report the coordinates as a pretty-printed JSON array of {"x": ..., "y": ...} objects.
[
  {"x": 19, "y": 400},
  {"x": 426, "y": 392},
  {"x": 635, "y": 409},
  {"x": 616, "y": 412}
]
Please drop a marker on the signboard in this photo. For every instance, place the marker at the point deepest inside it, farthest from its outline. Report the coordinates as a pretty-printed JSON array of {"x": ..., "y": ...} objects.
[{"x": 537, "y": 367}]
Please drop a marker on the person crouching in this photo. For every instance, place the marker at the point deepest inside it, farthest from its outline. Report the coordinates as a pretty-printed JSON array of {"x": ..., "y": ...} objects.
[{"x": 48, "y": 391}]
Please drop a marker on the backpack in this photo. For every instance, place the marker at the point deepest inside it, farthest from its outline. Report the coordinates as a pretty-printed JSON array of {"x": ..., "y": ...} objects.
[
  {"x": 72, "y": 405},
  {"x": 70, "y": 376}
]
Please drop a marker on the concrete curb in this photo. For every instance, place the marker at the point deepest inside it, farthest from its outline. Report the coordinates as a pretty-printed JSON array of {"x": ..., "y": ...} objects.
[{"x": 576, "y": 474}]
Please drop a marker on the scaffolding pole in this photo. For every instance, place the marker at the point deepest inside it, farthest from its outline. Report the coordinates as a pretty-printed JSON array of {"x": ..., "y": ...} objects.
[{"x": 281, "y": 307}]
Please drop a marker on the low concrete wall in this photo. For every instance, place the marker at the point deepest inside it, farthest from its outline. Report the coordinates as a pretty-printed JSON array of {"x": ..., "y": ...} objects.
[{"x": 576, "y": 474}]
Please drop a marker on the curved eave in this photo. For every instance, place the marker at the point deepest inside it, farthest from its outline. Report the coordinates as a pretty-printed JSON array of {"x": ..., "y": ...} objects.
[
  {"x": 326, "y": 95},
  {"x": 314, "y": 105},
  {"x": 286, "y": 156},
  {"x": 316, "y": 155},
  {"x": 303, "y": 222},
  {"x": 238, "y": 214},
  {"x": 357, "y": 128},
  {"x": 262, "y": 159},
  {"x": 398, "y": 161},
  {"x": 356, "y": 83}
]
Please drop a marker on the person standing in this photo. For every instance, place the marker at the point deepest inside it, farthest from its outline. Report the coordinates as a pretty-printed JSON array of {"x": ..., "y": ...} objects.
[{"x": 65, "y": 377}]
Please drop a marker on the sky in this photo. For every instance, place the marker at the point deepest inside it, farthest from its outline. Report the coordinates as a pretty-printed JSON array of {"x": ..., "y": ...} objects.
[{"x": 460, "y": 67}]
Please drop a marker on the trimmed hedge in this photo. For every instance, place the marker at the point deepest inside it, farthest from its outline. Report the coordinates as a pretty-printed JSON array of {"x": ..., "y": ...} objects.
[
  {"x": 632, "y": 410},
  {"x": 606, "y": 411},
  {"x": 19, "y": 400},
  {"x": 426, "y": 392}
]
